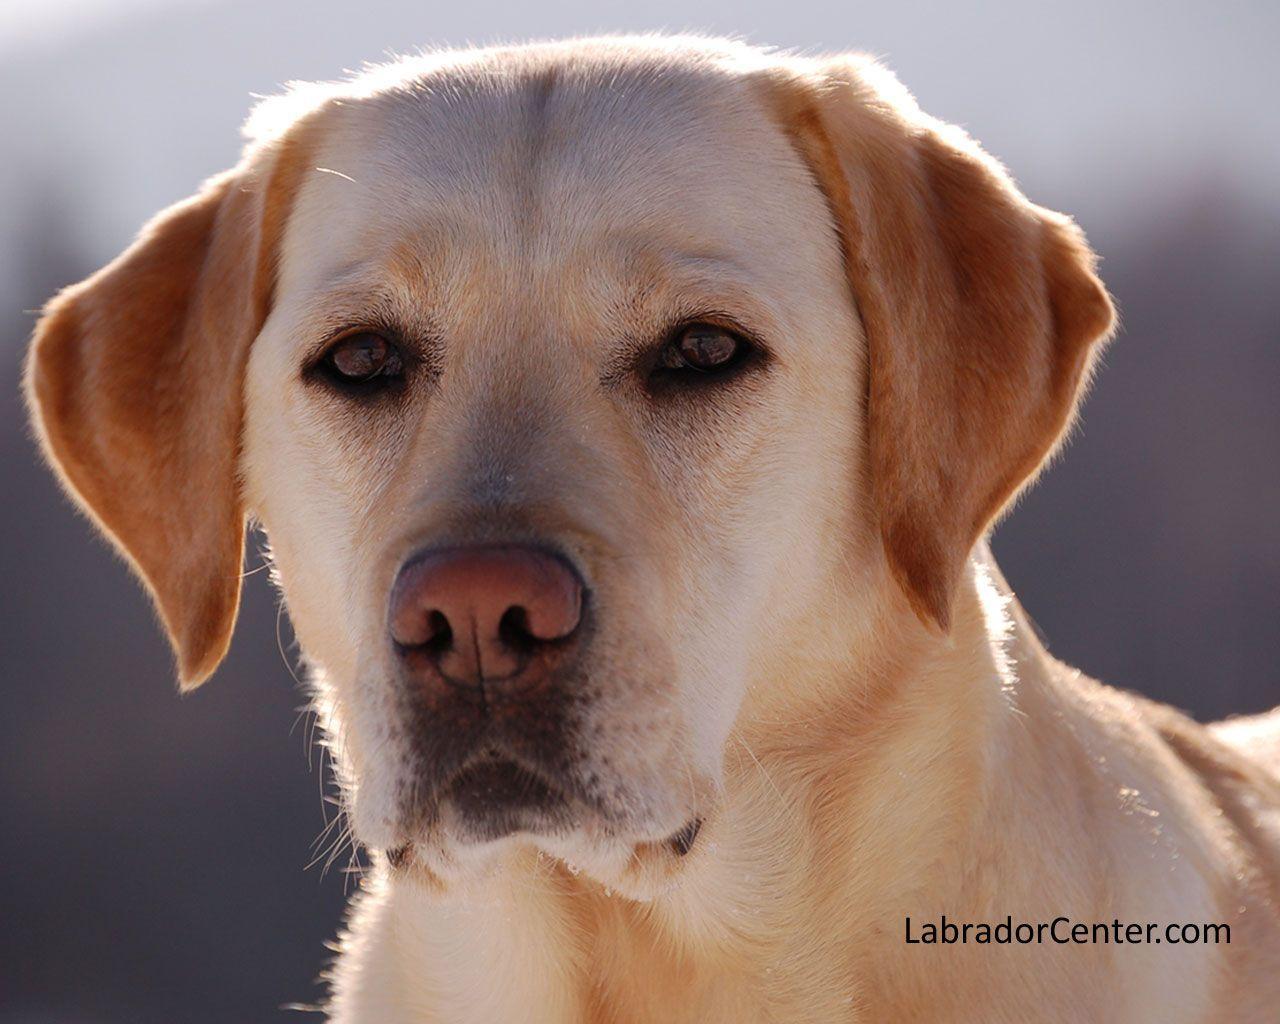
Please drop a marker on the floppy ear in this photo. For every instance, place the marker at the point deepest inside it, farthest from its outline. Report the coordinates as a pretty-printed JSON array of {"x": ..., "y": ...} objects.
[
  {"x": 134, "y": 382},
  {"x": 981, "y": 313}
]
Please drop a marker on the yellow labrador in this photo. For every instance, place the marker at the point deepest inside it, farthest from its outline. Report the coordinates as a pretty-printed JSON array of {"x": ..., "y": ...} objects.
[{"x": 626, "y": 417}]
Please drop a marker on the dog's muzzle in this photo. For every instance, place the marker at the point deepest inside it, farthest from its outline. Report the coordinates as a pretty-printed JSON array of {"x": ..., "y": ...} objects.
[{"x": 488, "y": 638}]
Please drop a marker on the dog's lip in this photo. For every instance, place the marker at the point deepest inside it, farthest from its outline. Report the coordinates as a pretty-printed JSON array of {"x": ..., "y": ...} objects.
[
  {"x": 494, "y": 783},
  {"x": 489, "y": 782},
  {"x": 682, "y": 840},
  {"x": 677, "y": 844}
]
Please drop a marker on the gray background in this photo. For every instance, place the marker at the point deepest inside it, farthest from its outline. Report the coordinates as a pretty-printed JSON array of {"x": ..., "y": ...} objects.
[{"x": 153, "y": 848}]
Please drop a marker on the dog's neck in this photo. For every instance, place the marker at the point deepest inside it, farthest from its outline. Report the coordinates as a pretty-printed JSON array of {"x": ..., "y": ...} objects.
[{"x": 836, "y": 816}]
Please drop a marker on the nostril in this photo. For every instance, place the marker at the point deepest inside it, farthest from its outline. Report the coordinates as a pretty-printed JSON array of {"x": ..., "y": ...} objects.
[
  {"x": 439, "y": 633},
  {"x": 514, "y": 631}
]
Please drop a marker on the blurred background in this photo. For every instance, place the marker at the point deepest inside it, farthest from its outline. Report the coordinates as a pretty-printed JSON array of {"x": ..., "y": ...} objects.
[{"x": 154, "y": 849}]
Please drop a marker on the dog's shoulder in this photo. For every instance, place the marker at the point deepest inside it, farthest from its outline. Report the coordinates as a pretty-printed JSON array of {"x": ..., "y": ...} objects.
[
  {"x": 1237, "y": 764},
  {"x": 1255, "y": 737}
]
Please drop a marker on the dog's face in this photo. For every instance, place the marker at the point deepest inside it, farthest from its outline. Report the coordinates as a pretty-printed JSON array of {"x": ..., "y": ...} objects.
[
  {"x": 543, "y": 373},
  {"x": 597, "y": 334}
]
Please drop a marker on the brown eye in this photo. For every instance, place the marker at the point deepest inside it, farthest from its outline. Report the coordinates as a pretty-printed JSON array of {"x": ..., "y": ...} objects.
[
  {"x": 705, "y": 348},
  {"x": 363, "y": 358}
]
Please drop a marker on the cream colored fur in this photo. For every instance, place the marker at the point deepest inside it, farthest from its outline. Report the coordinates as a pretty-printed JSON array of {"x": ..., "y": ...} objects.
[{"x": 805, "y": 642}]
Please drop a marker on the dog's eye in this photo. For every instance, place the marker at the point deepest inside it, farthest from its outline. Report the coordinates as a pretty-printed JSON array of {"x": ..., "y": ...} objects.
[
  {"x": 362, "y": 359},
  {"x": 703, "y": 348}
]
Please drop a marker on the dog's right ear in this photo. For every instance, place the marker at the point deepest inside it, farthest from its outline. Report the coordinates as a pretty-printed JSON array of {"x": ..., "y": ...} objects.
[{"x": 134, "y": 383}]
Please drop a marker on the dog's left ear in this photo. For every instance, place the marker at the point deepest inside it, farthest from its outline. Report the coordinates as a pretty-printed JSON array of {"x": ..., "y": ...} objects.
[
  {"x": 981, "y": 312},
  {"x": 135, "y": 380}
]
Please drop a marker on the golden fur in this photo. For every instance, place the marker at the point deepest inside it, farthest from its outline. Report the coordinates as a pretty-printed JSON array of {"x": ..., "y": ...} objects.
[{"x": 804, "y": 641}]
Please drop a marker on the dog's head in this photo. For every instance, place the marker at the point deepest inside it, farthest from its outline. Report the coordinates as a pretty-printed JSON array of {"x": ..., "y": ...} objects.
[{"x": 581, "y": 390}]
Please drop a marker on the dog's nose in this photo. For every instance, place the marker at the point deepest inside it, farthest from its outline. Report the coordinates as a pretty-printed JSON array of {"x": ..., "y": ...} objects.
[{"x": 484, "y": 614}]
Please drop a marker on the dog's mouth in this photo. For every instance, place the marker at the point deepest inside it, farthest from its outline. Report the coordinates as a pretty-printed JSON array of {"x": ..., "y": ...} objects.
[
  {"x": 494, "y": 797},
  {"x": 494, "y": 793},
  {"x": 679, "y": 843},
  {"x": 682, "y": 841}
]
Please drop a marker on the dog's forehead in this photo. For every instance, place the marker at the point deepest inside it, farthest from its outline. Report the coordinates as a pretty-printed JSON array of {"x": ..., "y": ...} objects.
[{"x": 555, "y": 164}]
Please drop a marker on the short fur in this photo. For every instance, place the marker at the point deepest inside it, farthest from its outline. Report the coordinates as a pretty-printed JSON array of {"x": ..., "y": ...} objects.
[{"x": 801, "y": 638}]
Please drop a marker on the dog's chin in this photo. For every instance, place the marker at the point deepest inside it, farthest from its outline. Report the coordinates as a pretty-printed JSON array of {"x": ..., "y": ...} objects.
[
  {"x": 493, "y": 799},
  {"x": 495, "y": 811}
]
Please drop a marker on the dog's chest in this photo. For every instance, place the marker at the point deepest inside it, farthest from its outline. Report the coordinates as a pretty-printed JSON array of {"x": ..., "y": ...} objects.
[{"x": 543, "y": 956}]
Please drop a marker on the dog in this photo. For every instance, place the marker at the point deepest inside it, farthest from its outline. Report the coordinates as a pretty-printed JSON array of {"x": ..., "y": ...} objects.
[{"x": 627, "y": 417}]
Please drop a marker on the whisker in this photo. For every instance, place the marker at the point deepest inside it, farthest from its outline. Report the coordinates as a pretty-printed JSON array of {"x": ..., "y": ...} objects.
[{"x": 763, "y": 771}]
